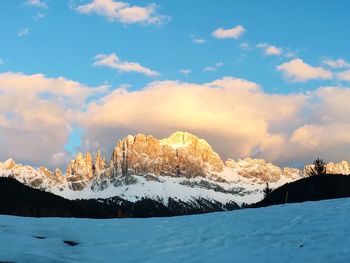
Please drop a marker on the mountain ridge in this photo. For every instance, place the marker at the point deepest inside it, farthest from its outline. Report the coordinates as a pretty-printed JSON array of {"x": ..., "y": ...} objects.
[{"x": 181, "y": 166}]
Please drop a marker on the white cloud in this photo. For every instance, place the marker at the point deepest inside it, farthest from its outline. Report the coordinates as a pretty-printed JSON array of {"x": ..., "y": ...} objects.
[
  {"x": 23, "y": 33},
  {"x": 245, "y": 46},
  {"x": 236, "y": 116},
  {"x": 344, "y": 75},
  {"x": 113, "y": 61},
  {"x": 234, "y": 32},
  {"x": 185, "y": 71},
  {"x": 324, "y": 132},
  {"x": 290, "y": 54},
  {"x": 339, "y": 63},
  {"x": 36, "y": 115},
  {"x": 297, "y": 70},
  {"x": 40, "y": 15},
  {"x": 36, "y": 3},
  {"x": 123, "y": 12},
  {"x": 199, "y": 40},
  {"x": 214, "y": 67},
  {"x": 270, "y": 49}
]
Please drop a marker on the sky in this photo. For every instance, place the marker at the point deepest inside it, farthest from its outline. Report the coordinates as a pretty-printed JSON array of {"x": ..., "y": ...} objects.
[{"x": 267, "y": 79}]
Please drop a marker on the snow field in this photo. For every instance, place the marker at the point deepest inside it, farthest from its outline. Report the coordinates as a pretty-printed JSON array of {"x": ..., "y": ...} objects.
[{"x": 307, "y": 232}]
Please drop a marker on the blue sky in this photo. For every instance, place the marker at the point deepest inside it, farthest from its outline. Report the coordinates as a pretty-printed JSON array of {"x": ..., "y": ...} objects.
[
  {"x": 57, "y": 39},
  {"x": 64, "y": 42}
]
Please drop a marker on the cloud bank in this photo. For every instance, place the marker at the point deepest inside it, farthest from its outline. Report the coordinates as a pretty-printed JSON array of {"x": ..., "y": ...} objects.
[
  {"x": 36, "y": 116},
  {"x": 235, "y": 116}
]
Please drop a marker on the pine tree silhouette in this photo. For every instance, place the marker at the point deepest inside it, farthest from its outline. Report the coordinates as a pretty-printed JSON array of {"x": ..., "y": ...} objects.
[
  {"x": 319, "y": 168},
  {"x": 267, "y": 190}
]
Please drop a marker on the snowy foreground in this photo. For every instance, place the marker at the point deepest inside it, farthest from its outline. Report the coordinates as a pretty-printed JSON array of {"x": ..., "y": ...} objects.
[{"x": 307, "y": 232}]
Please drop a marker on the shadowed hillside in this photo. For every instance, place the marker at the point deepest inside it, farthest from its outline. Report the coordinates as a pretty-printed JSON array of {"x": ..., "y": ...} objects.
[
  {"x": 21, "y": 200},
  {"x": 314, "y": 188},
  {"x": 18, "y": 199}
]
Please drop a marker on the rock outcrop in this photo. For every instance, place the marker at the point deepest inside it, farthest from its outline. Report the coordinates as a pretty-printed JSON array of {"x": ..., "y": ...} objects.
[
  {"x": 41, "y": 178},
  {"x": 338, "y": 168},
  {"x": 8, "y": 164},
  {"x": 181, "y": 155},
  {"x": 257, "y": 169},
  {"x": 261, "y": 170},
  {"x": 82, "y": 170}
]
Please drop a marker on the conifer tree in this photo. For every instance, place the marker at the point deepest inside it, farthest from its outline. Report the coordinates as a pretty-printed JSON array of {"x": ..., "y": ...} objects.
[
  {"x": 319, "y": 168},
  {"x": 267, "y": 190}
]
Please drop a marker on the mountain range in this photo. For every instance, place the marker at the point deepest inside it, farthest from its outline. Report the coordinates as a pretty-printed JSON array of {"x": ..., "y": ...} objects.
[{"x": 181, "y": 168}]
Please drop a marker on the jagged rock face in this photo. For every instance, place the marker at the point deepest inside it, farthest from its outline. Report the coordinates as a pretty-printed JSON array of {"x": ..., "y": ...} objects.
[
  {"x": 230, "y": 163},
  {"x": 261, "y": 170},
  {"x": 57, "y": 173},
  {"x": 41, "y": 179},
  {"x": 182, "y": 154},
  {"x": 100, "y": 164},
  {"x": 342, "y": 167},
  {"x": 8, "y": 164},
  {"x": 292, "y": 173},
  {"x": 141, "y": 165},
  {"x": 338, "y": 168},
  {"x": 198, "y": 148},
  {"x": 81, "y": 171}
]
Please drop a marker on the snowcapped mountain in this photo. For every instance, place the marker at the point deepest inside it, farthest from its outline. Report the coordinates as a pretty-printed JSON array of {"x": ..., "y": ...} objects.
[{"x": 182, "y": 167}]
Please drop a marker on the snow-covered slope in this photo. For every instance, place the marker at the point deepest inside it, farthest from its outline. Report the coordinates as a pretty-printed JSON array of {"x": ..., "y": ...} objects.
[
  {"x": 161, "y": 188},
  {"x": 307, "y": 232}
]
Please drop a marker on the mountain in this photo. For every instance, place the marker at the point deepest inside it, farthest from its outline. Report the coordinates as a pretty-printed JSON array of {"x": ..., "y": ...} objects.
[{"x": 181, "y": 167}]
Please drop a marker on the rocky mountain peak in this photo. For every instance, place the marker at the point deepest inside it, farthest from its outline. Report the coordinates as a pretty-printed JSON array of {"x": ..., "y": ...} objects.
[
  {"x": 100, "y": 163},
  {"x": 342, "y": 167},
  {"x": 181, "y": 154},
  {"x": 181, "y": 139},
  {"x": 8, "y": 164},
  {"x": 45, "y": 171},
  {"x": 261, "y": 170},
  {"x": 199, "y": 148},
  {"x": 57, "y": 173},
  {"x": 82, "y": 170}
]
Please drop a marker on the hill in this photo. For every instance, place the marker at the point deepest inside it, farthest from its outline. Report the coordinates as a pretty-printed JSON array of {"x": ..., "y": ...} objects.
[
  {"x": 314, "y": 188},
  {"x": 19, "y": 199}
]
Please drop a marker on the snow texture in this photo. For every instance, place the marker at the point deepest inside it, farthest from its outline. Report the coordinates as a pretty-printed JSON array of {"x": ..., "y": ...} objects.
[
  {"x": 239, "y": 191},
  {"x": 307, "y": 232}
]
